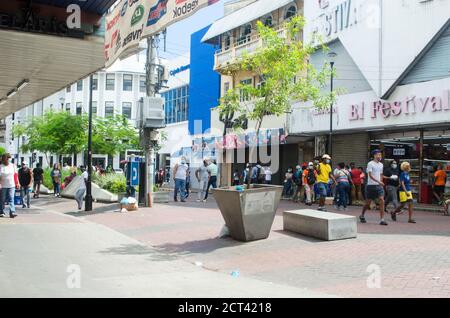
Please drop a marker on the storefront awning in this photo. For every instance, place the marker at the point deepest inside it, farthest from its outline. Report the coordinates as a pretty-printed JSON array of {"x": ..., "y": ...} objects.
[{"x": 245, "y": 15}]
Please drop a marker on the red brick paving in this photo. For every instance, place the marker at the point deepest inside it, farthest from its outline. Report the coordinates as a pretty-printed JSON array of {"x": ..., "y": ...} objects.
[{"x": 414, "y": 258}]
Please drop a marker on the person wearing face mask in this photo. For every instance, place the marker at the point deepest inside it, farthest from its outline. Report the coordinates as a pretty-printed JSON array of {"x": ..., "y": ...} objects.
[
  {"x": 375, "y": 186},
  {"x": 8, "y": 185},
  {"x": 391, "y": 177},
  {"x": 324, "y": 174},
  {"x": 287, "y": 189},
  {"x": 309, "y": 179},
  {"x": 179, "y": 176}
]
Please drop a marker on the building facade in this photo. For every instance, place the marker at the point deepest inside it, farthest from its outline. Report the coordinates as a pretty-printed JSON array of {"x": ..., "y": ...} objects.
[
  {"x": 235, "y": 35},
  {"x": 395, "y": 77}
]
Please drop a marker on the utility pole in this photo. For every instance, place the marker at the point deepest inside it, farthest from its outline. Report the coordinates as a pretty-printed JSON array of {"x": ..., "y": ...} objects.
[{"x": 151, "y": 91}]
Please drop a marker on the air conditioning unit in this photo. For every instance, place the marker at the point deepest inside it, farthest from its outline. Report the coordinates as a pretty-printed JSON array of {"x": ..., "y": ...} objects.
[{"x": 151, "y": 113}]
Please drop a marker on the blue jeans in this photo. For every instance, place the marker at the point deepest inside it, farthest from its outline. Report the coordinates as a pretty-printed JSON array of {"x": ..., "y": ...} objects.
[
  {"x": 56, "y": 188},
  {"x": 287, "y": 191},
  {"x": 211, "y": 183},
  {"x": 342, "y": 190},
  {"x": 7, "y": 193},
  {"x": 180, "y": 185}
]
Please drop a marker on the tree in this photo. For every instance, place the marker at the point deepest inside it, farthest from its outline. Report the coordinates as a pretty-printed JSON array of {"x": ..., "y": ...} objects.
[
  {"x": 55, "y": 132},
  {"x": 282, "y": 64},
  {"x": 112, "y": 135}
]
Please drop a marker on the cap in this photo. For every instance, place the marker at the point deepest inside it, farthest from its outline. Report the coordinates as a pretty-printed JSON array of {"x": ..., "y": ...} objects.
[
  {"x": 297, "y": 167},
  {"x": 310, "y": 164},
  {"x": 326, "y": 157}
]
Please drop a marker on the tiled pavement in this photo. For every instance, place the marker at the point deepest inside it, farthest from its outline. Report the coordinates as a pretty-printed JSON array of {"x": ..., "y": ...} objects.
[{"x": 413, "y": 259}]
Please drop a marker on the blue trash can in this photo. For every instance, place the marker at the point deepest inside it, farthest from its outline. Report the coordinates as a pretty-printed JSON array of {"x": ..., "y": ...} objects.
[{"x": 18, "y": 198}]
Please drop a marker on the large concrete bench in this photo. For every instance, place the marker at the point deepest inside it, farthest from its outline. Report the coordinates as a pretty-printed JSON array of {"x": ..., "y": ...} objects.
[{"x": 321, "y": 225}]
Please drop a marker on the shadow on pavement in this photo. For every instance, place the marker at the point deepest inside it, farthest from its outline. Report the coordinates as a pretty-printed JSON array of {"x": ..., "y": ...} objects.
[
  {"x": 136, "y": 249},
  {"x": 299, "y": 236},
  {"x": 199, "y": 247},
  {"x": 110, "y": 208}
]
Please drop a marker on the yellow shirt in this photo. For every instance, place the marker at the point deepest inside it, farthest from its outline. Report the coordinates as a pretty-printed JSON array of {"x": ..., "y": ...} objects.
[{"x": 324, "y": 174}]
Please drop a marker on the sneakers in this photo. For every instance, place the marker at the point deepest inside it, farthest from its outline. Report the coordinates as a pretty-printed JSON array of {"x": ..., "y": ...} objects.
[
  {"x": 383, "y": 223},
  {"x": 198, "y": 200},
  {"x": 23, "y": 206},
  {"x": 321, "y": 208},
  {"x": 412, "y": 221},
  {"x": 204, "y": 200},
  {"x": 12, "y": 215},
  {"x": 362, "y": 219},
  {"x": 394, "y": 216},
  {"x": 2, "y": 215}
]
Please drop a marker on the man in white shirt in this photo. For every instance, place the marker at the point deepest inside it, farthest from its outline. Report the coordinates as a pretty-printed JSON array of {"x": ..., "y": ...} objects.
[
  {"x": 375, "y": 186},
  {"x": 202, "y": 176},
  {"x": 212, "y": 182},
  {"x": 179, "y": 176},
  {"x": 268, "y": 175},
  {"x": 79, "y": 195}
]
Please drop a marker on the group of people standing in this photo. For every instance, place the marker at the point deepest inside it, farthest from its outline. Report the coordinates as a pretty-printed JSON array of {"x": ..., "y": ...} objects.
[
  {"x": 206, "y": 176},
  {"x": 13, "y": 179}
]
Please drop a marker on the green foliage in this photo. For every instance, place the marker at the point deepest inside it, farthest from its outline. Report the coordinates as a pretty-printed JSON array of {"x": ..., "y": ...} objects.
[
  {"x": 2, "y": 151},
  {"x": 114, "y": 183},
  {"x": 54, "y": 132},
  {"x": 112, "y": 135},
  {"x": 282, "y": 64}
]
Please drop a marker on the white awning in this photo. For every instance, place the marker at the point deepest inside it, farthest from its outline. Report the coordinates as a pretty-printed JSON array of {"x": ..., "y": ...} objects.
[{"x": 242, "y": 16}]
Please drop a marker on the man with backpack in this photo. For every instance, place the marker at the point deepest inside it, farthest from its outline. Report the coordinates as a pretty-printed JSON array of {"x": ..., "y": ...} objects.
[
  {"x": 297, "y": 179},
  {"x": 309, "y": 179}
]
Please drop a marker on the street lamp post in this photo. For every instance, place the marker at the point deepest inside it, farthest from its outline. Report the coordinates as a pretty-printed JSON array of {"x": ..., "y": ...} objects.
[
  {"x": 88, "y": 204},
  {"x": 331, "y": 56}
]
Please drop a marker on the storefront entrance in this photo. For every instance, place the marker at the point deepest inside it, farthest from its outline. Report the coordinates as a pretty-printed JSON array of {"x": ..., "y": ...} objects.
[{"x": 425, "y": 150}]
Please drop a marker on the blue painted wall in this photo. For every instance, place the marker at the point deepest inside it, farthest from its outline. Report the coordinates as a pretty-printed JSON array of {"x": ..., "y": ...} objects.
[{"x": 204, "y": 84}]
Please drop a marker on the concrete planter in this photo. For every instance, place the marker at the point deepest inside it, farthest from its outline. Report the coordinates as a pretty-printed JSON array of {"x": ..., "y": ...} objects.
[
  {"x": 161, "y": 197},
  {"x": 249, "y": 214}
]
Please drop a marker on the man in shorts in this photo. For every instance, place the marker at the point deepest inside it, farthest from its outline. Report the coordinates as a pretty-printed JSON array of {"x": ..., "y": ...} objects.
[
  {"x": 375, "y": 186},
  {"x": 324, "y": 174}
]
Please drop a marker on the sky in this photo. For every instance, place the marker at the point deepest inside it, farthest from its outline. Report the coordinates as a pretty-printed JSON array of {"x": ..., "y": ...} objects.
[{"x": 179, "y": 34}]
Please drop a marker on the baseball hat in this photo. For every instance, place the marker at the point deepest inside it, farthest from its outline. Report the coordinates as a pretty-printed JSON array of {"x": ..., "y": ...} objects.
[{"x": 326, "y": 157}]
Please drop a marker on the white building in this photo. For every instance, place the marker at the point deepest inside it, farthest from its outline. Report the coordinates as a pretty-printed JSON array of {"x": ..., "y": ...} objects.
[{"x": 117, "y": 90}]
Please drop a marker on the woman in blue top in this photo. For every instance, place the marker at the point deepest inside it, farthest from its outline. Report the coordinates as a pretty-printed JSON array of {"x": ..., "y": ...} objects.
[{"x": 405, "y": 191}]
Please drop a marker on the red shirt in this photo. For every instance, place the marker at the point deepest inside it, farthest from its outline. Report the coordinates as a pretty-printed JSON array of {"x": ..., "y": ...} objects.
[{"x": 356, "y": 176}]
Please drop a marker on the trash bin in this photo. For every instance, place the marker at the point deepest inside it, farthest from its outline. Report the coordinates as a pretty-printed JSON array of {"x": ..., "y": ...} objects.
[
  {"x": 18, "y": 198},
  {"x": 249, "y": 214}
]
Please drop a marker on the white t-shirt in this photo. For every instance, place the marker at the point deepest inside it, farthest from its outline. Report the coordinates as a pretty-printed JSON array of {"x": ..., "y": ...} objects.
[
  {"x": 203, "y": 173},
  {"x": 376, "y": 168},
  {"x": 84, "y": 177},
  {"x": 268, "y": 174},
  {"x": 7, "y": 176},
  {"x": 181, "y": 172},
  {"x": 212, "y": 169}
]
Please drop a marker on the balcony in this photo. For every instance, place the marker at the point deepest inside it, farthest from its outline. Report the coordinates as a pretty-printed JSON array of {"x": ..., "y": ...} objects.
[{"x": 225, "y": 58}]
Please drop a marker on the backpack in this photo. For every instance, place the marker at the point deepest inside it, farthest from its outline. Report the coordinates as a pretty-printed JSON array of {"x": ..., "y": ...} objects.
[
  {"x": 311, "y": 177},
  {"x": 298, "y": 177}
]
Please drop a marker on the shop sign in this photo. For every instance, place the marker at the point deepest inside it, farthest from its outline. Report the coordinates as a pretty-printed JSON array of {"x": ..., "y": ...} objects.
[
  {"x": 336, "y": 19},
  {"x": 409, "y": 106},
  {"x": 126, "y": 18},
  {"x": 29, "y": 21},
  {"x": 399, "y": 152}
]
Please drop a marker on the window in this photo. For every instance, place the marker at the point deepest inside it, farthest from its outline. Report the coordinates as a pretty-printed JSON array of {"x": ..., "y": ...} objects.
[
  {"x": 142, "y": 87},
  {"x": 110, "y": 82},
  {"x": 246, "y": 30},
  {"x": 127, "y": 82},
  {"x": 68, "y": 89},
  {"x": 68, "y": 107},
  {"x": 79, "y": 108},
  {"x": 95, "y": 82},
  {"x": 290, "y": 12},
  {"x": 268, "y": 21},
  {"x": 109, "y": 109},
  {"x": 80, "y": 85},
  {"x": 94, "y": 108},
  {"x": 126, "y": 110},
  {"x": 226, "y": 87},
  {"x": 244, "y": 95},
  {"x": 227, "y": 41},
  {"x": 176, "y": 104}
]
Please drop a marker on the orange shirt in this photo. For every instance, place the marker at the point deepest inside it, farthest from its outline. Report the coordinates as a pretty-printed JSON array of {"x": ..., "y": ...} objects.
[{"x": 440, "y": 178}]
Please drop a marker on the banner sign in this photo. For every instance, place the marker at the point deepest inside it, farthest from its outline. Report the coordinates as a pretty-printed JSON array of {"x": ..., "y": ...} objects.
[{"x": 133, "y": 20}]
